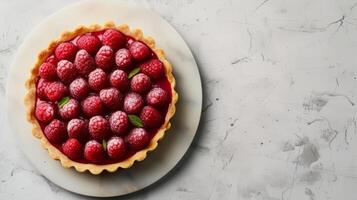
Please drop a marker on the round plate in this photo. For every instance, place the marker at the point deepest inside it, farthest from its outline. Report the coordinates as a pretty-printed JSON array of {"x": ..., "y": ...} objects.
[{"x": 184, "y": 124}]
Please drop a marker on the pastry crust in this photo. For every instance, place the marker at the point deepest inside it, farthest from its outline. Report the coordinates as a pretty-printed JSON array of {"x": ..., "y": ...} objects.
[{"x": 30, "y": 100}]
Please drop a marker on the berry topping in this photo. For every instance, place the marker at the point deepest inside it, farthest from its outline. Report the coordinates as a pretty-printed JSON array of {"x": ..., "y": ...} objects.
[
  {"x": 89, "y": 43},
  {"x": 98, "y": 128},
  {"x": 79, "y": 88},
  {"x": 52, "y": 59},
  {"x": 56, "y": 131},
  {"x": 116, "y": 147},
  {"x": 123, "y": 58},
  {"x": 70, "y": 109},
  {"x": 153, "y": 68},
  {"x": 84, "y": 62},
  {"x": 114, "y": 39},
  {"x": 41, "y": 88},
  {"x": 105, "y": 58},
  {"x": 97, "y": 79},
  {"x": 45, "y": 112},
  {"x": 55, "y": 91},
  {"x": 78, "y": 128},
  {"x": 93, "y": 151},
  {"x": 66, "y": 71},
  {"x": 137, "y": 139},
  {"x": 111, "y": 98},
  {"x": 151, "y": 117},
  {"x": 119, "y": 123},
  {"x": 133, "y": 103},
  {"x": 139, "y": 51},
  {"x": 48, "y": 71},
  {"x": 72, "y": 148},
  {"x": 140, "y": 83},
  {"x": 119, "y": 79},
  {"x": 66, "y": 51},
  {"x": 157, "y": 97},
  {"x": 92, "y": 106}
]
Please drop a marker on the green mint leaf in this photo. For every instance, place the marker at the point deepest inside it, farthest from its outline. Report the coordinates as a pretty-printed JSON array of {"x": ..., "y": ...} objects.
[
  {"x": 63, "y": 101},
  {"x": 104, "y": 143},
  {"x": 135, "y": 120},
  {"x": 133, "y": 72}
]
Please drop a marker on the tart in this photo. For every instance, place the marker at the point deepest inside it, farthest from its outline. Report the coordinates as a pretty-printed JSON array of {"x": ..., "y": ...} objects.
[{"x": 100, "y": 97}]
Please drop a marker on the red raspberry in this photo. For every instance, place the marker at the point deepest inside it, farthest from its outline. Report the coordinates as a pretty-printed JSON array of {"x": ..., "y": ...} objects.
[
  {"x": 41, "y": 88},
  {"x": 105, "y": 58},
  {"x": 66, "y": 71},
  {"x": 151, "y": 117},
  {"x": 140, "y": 83},
  {"x": 90, "y": 43},
  {"x": 93, "y": 151},
  {"x": 55, "y": 91},
  {"x": 73, "y": 149},
  {"x": 116, "y": 147},
  {"x": 84, "y": 62},
  {"x": 52, "y": 59},
  {"x": 111, "y": 98},
  {"x": 56, "y": 131},
  {"x": 79, "y": 88},
  {"x": 137, "y": 139},
  {"x": 119, "y": 79},
  {"x": 123, "y": 59},
  {"x": 139, "y": 51},
  {"x": 97, "y": 79},
  {"x": 133, "y": 103},
  {"x": 114, "y": 39},
  {"x": 70, "y": 110},
  {"x": 66, "y": 51},
  {"x": 78, "y": 128},
  {"x": 92, "y": 106},
  {"x": 98, "y": 128},
  {"x": 48, "y": 71},
  {"x": 153, "y": 68},
  {"x": 119, "y": 122},
  {"x": 45, "y": 112},
  {"x": 157, "y": 97}
]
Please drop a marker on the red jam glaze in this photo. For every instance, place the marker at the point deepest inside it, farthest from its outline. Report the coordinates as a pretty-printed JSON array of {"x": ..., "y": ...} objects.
[{"x": 162, "y": 83}]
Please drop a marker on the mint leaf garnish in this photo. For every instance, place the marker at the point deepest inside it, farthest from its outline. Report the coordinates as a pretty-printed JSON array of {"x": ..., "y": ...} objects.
[
  {"x": 63, "y": 101},
  {"x": 135, "y": 120},
  {"x": 104, "y": 143},
  {"x": 134, "y": 72}
]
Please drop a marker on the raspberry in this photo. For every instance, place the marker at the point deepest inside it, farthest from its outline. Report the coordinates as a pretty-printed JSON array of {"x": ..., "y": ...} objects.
[
  {"x": 52, "y": 59},
  {"x": 56, "y": 131},
  {"x": 66, "y": 51},
  {"x": 70, "y": 110},
  {"x": 48, "y": 71},
  {"x": 105, "y": 58},
  {"x": 151, "y": 117},
  {"x": 84, "y": 62},
  {"x": 114, "y": 39},
  {"x": 119, "y": 122},
  {"x": 79, "y": 88},
  {"x": 72, "y": 148},
  {"x": 41, "y": 88},
  {"x": 98, "y": 128},
  {"x": 123, "y": 58},
  {"x": 139, "y": 51},
  {"x": 78, "y": 128},
  {"x": 66, "y": 71},
  {"x": 111, "y": 98},
  {"x": 119, "y": 79},
  {"x": 157, "y": 97},
  {"x": 89, "y": 43},
  {"x": 153, "y": 68},
  {"x": 55, "y": 91},
  {"x": 93, "y": 151},
  {"x": 92, "y": 106},
  {"x": 45, "y": 112},
  {"x": 97, "y": 79},
  {"x": 133, "y": 103},
  {"x": 140, "y": 83},
  {"x": 137, "y": 139},
  {"x": 116, "y": 147}
]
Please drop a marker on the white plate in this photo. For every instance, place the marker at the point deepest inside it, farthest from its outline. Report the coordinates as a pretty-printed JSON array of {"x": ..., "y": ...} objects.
[{"x": 184, "y": 125}]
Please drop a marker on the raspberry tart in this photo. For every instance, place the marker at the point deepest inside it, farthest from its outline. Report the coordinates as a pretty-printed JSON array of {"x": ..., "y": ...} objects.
[{"x": 101, "y": 97}]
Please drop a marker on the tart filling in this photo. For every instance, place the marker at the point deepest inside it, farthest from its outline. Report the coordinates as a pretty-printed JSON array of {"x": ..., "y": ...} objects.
[{"x": 101, "y": 97}]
